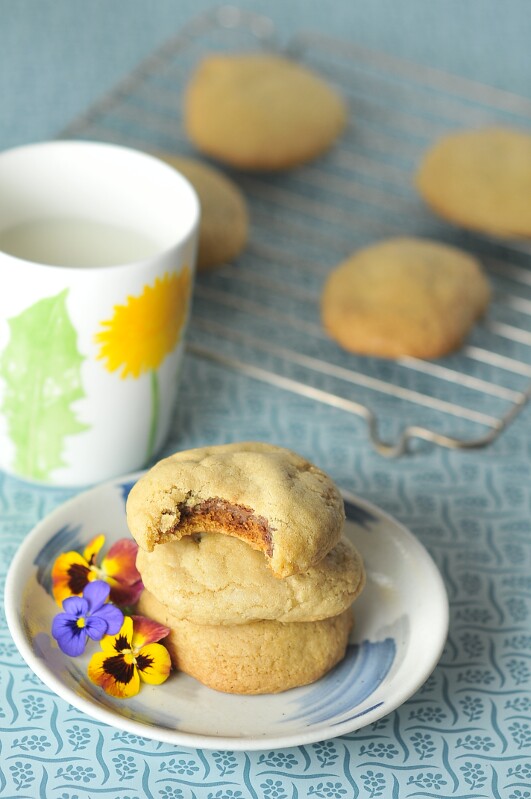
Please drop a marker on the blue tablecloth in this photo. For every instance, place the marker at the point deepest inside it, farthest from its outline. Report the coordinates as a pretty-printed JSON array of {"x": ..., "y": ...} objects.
[{"x": 467, "y": 732}]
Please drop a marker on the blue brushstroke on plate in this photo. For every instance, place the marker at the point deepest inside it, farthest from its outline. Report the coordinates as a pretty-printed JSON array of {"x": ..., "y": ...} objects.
[
  {"x": 126, "y": 488},
  {"x": 359, "y": 515},
  {"x": 64, "y": 540},
  {"x": 359, "y": 674},
  {"x": 358, "y": 715}
]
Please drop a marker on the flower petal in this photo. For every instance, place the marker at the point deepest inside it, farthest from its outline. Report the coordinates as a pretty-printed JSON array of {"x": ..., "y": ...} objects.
[
  {"x": 70, "y": 638},
  {"x": 60, "y": 622},
  {"x": 70, "y": 574},
  {"x": 76, "y": 606},
  {"x": 125, "y": 595},
  {"x": 112, "y": 616},
  {"x": 93, "y": 547},
  {"x": 112, "y": 644},
  {"x": 147, "y": 631},
  {"x": 120, "y": 562},
  {"x": 154, "y": 664},
  {"x": 114, "y": 675},
  {"x": 96, "y": 627},
  {"x": 96, "y": 593}
]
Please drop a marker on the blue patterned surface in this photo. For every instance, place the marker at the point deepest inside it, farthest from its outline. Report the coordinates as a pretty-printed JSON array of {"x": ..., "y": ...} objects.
[{"x": 466, "y": 733}]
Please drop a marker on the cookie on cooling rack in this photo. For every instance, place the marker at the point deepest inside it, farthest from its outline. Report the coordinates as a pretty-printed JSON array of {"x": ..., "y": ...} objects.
[
  {"x": 262, "y": 657},
  {"x": 404, "y": 296},
  {"x": 224, "y": 218},
  {"x": 261, "y": 111},
  {"x": 480, "y": 179},
  {"x": 216, "y": 579},
  {"x": 269, "y": 497}
]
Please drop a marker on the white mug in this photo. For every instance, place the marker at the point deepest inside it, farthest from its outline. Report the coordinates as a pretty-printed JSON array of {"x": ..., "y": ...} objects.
[{"x": 97, "y": 257}]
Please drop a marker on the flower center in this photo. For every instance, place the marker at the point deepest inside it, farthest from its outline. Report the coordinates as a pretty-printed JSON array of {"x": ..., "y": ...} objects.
[
  {"x": 98, "y": 572},
  {"x": 80, "y": 622},
  {"x": 129, "y": 657},
  {"x": 117, "y": 667}
]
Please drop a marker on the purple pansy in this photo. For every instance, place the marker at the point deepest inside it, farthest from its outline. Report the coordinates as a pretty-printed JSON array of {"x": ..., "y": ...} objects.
[{"x": 86, "y": 616}]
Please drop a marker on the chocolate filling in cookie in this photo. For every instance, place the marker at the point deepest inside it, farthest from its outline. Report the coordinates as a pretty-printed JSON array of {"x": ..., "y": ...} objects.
[{"x": 215, "y": 515}]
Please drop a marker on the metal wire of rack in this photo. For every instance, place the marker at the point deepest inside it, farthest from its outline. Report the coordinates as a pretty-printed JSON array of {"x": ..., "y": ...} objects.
[{"x": 260, "y": 315}]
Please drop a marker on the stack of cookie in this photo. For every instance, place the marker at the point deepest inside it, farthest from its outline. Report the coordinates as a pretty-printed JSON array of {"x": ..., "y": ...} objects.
[{"x": 242, "y": 556}]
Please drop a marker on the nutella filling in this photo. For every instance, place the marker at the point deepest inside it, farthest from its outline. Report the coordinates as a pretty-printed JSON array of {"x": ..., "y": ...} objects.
[{"x": 217, "y": 515}]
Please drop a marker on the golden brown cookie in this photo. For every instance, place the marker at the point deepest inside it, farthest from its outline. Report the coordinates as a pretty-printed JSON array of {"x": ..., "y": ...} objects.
[
  {"x": 480, "y": 179},
  {"x": 404, "y": 296},
  {"x": 215, "y": 579},
  {"x": 261, "y": 111},
  {"x": 262, "y": 657},
  {"x": 224, "y": 219},
  {"x": 269, "y": 497}
]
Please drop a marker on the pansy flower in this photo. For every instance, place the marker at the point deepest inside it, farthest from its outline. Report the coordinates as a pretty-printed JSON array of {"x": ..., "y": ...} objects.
[
  {"x": 87, "y": 616},
  {"x": 130, "y": 657},
  {"x": 72, "y": 571}
]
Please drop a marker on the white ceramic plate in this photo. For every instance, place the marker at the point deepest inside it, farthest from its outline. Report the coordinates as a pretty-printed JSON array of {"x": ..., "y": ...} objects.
[{"x": 401, "y": 626}]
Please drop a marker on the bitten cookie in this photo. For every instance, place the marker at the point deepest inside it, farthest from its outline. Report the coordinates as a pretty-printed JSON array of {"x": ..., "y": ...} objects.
[
  {"x": 224, "y": 218},
  {"x": 263, "y": 657},
  {"x": 404, "y": 296},
  {"x": 261, "y": 111},
  {"x": 214, "y": 579},
  {"x": 270, "y": 497},
  {"x": 480, "y": 179}
]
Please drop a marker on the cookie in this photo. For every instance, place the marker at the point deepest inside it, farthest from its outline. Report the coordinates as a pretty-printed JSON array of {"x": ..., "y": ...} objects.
[
  {"x": 261, "y": 111},
  {"x": 404, "y": 296},
  {"x": 480, "y": 179},
  {"x": 262, "y": 657},
  {"x": 214, "y": 579},
  {"x": 224, "y": 219},
  {"x": 269, "y": 497}
]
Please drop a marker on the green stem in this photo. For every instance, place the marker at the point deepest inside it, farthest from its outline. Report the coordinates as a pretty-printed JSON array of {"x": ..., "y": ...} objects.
[{"x": 154, "y": 414}]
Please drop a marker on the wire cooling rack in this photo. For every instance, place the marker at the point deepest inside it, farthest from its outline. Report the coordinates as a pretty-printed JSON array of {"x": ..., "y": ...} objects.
[{"x": 260, "y": 314}]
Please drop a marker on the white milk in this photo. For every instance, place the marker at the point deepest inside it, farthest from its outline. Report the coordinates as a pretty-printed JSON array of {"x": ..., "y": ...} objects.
[{"x": 77, "y": 242}]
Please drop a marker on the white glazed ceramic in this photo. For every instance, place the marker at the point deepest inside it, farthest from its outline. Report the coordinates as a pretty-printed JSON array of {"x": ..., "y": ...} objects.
[
  {"x": 70, "y": 415},
  {"x": 401, "y": 626}
]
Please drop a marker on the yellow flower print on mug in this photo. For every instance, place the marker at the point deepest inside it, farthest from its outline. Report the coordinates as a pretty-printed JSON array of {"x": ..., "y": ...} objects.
[
  {"x": 143, "y": 331},
  {"x": 146, "y": 329}
]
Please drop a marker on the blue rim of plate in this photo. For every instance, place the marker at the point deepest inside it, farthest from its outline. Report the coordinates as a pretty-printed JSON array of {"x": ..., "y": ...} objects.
[{"x": 367, "y": 662}]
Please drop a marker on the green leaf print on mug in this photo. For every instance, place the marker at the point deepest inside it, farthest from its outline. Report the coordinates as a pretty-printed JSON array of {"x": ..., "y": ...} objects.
[{"x": 41, "y": 366}]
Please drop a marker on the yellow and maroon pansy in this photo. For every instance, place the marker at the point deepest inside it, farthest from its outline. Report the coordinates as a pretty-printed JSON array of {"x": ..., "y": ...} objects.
[
  {"x": 72, "y": 571},
  {"x": 130, "y": 657}
]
